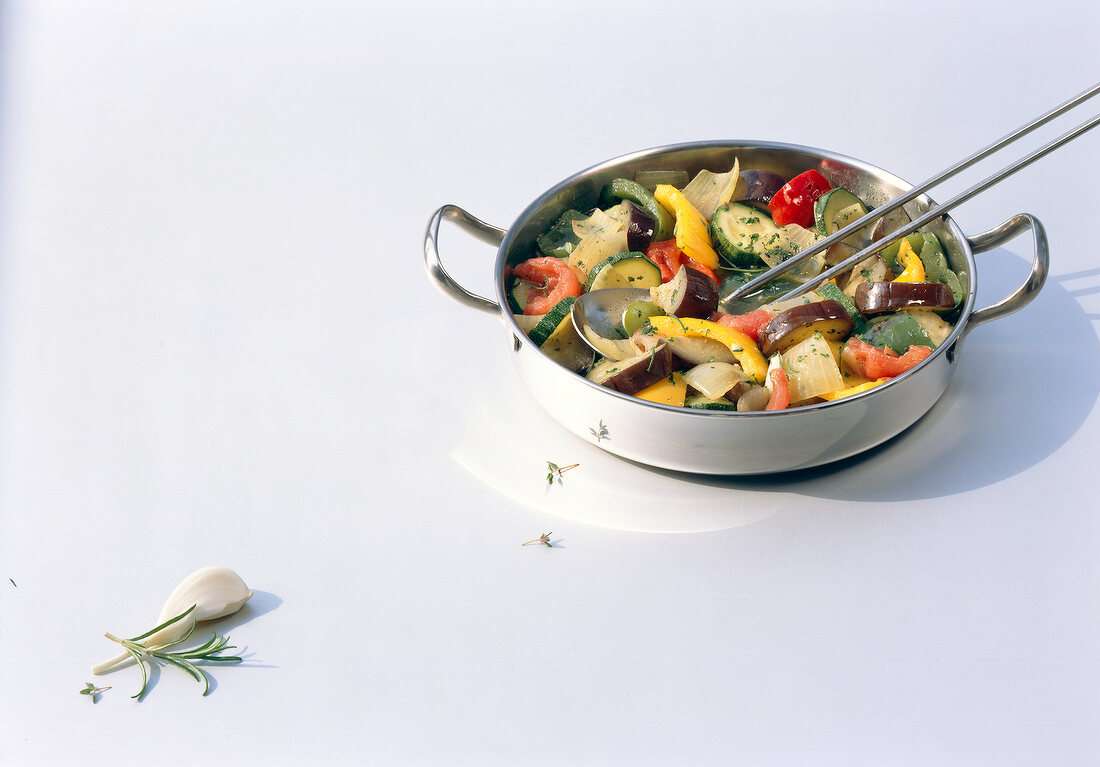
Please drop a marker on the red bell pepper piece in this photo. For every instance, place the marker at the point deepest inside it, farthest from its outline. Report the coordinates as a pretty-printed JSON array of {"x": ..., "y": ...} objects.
[{"x": 794, "y": 202}]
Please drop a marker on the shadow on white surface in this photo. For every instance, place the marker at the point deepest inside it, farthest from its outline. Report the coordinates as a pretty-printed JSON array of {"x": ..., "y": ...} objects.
[{"x": 1025, "y": 384}]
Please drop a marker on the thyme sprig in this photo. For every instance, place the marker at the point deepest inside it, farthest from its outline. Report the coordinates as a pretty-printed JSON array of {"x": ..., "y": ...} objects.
[
  {"x": 600, "y": 432},
  {"x": 208, "y": 651},
  {"x": 555, "y": 469},
  {"x": 93, "y": 691}
]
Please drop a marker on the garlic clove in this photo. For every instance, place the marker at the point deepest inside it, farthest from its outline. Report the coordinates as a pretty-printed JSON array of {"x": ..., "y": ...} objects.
[{"x": 214, "y": 591}]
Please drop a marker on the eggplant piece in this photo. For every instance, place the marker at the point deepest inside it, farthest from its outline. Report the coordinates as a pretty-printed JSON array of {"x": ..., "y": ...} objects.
[
  {"x": 635, "y": 373},
  {"x": 829, "y": 318},
  {"x": 881, "y": 297},
  {"x": 640, "y": 229},
  {"x": 761, "y": 185},
  {"x": 689, "y": 294}
]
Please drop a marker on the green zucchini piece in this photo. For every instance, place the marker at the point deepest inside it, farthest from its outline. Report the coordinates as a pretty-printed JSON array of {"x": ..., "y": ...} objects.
[
  {"x": 551, "y": 320},
  {"x": 520, "y": 295},
  {"x": 898, "y": 332},
  {"x": 559, "y": 240},
  {"x": 738, "y": 232},
  {"x": 835, "y": 209},
  {"x": 700, "y": 402},
  {"x": 637, "y": 315},
  {"x": 625, "y": 189},
  {"x": 623, "y": 270},
  {"x": 829, "y": 291}
]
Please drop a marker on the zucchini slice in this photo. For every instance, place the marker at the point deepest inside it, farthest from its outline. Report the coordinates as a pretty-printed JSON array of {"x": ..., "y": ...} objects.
[
  {"x": 835, "y": 209},
  {"x": 702, "y": 402},
  {"x": 551, "y": 320},
  {"x": 830, "y": 292},
  {"x": 739, "y": 232},
  {"x": 623, "y": 270}
]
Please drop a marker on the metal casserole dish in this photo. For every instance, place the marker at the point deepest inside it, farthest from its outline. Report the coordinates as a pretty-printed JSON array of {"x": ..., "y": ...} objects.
[{"x": 732, "y": 443}]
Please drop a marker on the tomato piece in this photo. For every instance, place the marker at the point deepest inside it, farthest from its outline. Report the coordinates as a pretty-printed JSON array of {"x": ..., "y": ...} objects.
[
  {"x": 873, "y": 362},
  {"x": 554, "y": 279},
  {"x": 750, "y": 324},
  {"x": 781, "y": 390},
  {"x": 666, "y": 256},
  {"x": 794, "y": 202}
]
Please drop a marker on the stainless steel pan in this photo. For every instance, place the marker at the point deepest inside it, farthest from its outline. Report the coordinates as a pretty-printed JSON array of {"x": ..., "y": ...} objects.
[{"x": 734, "y": 443}]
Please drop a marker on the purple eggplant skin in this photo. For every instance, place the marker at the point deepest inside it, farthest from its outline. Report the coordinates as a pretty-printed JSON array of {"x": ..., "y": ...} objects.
[
  {"x": 640, "y": 228},
  {"x": 641, "y": 371},
  {"x": 880, "y": 297},
  {"x": 688, "y": 294},
  {"x": 761, "y": 185}
]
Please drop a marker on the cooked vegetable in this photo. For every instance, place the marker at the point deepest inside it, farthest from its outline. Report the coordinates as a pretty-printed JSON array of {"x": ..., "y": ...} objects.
[
  {"x": 829, "y": 290},
  {"x": 714, "y": 379},
  {"x": 623, "y": 270},
  {"x": 640, "y": 228},
  {"x": 756, "y": 398},
  {"x": 761, "y": 185},
  {"x": 872, "y": 362},
  {"x": 738, "y": 231},
  {"x": 552, "y": 279},
  {"x": 913, "y": 267},
  {"x": 744, "y": 349},
  {"x": 835, "y": 209},
  {"x": 559, "y": 240},
  {"x": 778, "y": 385},
  {"x": 595, "y": 248},
  {"x": 625, "y": 189},
  {"x": 826, "y": 319},
  {"x": 670, "y": 258},
  {"x": 689, "y": 294},
  {"x": 637, "y": 314},
  {"x": 750, "y": 323},
  {"x": 897, "y": 332},
  {"x": 794, "y": 202},
  {"x": 634, "y": 374},
  {"x": 702, "y": 402},
  {"x": 692, "y": 234},
  {"x": 667, "y": 391},
  {"x": 551, "y": 319},
  {"x": 879, "y": 297},
  {"x": 812, "y": 369},
  {"x": 709, "y": 191}
]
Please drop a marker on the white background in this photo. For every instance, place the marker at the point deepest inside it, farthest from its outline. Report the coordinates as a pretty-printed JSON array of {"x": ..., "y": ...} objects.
[{"x": 218, "y": 346}]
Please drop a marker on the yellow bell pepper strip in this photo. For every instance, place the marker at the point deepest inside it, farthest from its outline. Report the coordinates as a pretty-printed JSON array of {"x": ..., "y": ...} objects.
[
  {"x": 691, "y": 230},
  {"x": 667, "y": 391},
  {"x": 858, "y": 388},
  {"x": 744, "y": 349},
  {"x": 914, "y": 267}
]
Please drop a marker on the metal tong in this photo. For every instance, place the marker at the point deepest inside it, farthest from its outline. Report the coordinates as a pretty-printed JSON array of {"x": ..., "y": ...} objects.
[{"x": 935, "y": 212}]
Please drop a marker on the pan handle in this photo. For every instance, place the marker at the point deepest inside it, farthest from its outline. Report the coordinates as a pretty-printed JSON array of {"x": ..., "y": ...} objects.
[
  {"x": 472, "y": 226},
  {"x": 1040, "y": 265}
]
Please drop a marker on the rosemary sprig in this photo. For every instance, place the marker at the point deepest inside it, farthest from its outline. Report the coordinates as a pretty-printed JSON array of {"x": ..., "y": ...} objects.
[
  {"x": 544, "y": 539},
  {"x": 555, "y": 469},
  {"x": 184, "y": 660}
]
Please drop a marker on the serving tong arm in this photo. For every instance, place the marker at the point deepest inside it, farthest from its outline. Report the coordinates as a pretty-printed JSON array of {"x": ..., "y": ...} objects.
[{"x": 920, "y": 189}]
